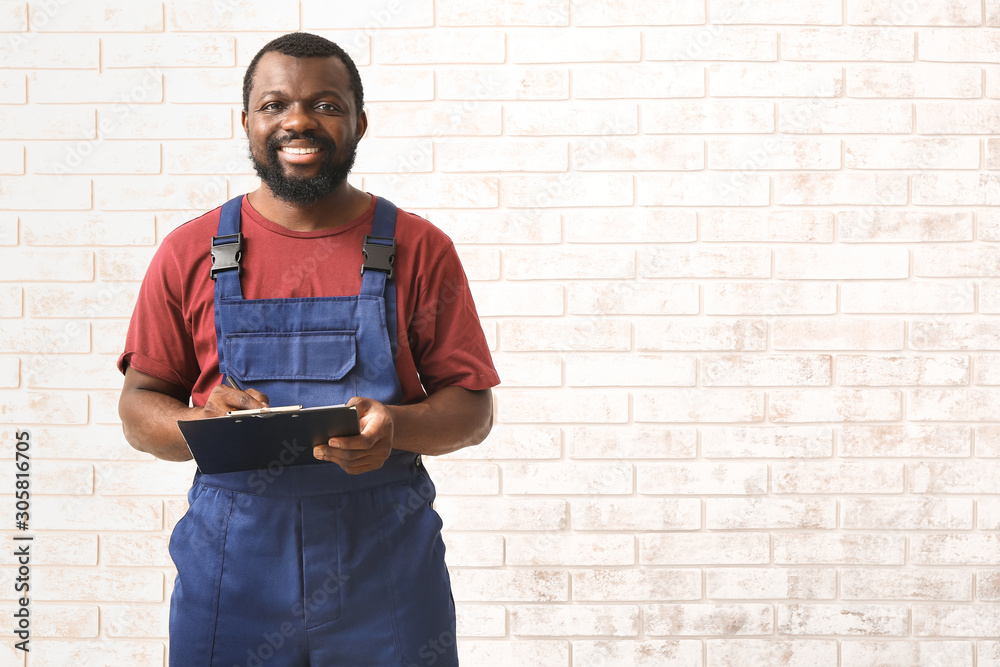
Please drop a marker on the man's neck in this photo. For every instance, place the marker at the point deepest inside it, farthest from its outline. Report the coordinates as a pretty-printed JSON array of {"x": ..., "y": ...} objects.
[{"x": 343, "y": 205}]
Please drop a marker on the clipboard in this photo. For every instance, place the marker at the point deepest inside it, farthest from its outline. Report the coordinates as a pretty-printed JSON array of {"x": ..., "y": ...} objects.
[{"x": 259, "y": 439}]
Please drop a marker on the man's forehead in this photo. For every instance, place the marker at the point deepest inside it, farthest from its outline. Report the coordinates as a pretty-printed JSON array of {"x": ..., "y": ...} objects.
[{"x": 278, "y": 71}]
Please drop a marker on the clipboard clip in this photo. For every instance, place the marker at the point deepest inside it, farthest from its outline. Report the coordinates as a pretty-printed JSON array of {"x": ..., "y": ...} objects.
[{"x": 264, "y": 412}]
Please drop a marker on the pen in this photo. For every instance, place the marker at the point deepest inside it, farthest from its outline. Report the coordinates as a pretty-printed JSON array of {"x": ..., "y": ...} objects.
[{"x": 233, "y": 383}]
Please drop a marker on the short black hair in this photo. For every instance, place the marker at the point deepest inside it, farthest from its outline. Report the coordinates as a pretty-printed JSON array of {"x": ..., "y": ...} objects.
[{"x": 305, "y": 45}]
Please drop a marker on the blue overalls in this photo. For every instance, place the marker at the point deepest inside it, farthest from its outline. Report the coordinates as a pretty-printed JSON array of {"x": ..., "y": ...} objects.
[{"x": 306, "y": 565}]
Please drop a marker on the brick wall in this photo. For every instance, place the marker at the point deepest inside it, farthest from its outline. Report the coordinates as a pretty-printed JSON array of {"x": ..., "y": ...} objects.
[{"x": 739, "y": 264}]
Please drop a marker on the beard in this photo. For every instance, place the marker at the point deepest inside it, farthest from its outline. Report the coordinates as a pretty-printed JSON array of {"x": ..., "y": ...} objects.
[{"x": 304, "y": 191}]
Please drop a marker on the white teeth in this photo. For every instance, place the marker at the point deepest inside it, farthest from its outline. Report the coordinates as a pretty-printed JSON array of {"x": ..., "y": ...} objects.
[{"x": 299, "y": 151}]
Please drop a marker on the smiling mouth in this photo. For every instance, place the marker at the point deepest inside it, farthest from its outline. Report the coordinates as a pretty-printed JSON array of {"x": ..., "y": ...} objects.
[{"x": 299, "y": 151}]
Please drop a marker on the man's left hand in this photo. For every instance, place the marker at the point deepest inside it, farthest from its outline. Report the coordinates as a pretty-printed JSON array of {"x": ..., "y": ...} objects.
[{"x": 366, "y": 451}]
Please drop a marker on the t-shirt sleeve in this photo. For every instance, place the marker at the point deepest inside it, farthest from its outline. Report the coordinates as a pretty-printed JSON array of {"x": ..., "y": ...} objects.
[
  {"x": 159, "y": 340},
  {"x": 445, "y": 335}
]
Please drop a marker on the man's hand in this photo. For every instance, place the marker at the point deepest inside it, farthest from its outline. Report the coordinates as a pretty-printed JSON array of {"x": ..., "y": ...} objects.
[
  {"x": 368, "y": 450},
  {"x": 224, "y": 399}
]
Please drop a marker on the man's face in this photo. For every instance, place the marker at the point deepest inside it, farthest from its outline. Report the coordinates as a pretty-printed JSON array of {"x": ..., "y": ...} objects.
[{"x": 302, "y": 126}]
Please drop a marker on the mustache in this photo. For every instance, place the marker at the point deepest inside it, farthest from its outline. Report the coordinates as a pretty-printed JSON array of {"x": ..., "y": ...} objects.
[{"x": 277, "y": 141}]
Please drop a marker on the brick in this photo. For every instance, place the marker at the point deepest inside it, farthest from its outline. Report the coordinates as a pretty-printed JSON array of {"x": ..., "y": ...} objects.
[
  {"x": 877, "y": 370},
  {"x": 698, "y": 405},
  {"x": 900, "y": 153},
  {"x": 563, "y": 335},
  {"x": 614, "y": 370},
  {"x": 987, "y": 441},
  {"x": 95, "y": 299},
  {"x": 398, "y": 84},
  {"x": 825, "y": 12},
  {"x": 12, "y": 164},
  {"x": 641, "y": 12},
  {"x": 987, "y": 585},
  {"x": 91, "y": 584},
  {"x": 854, "y": 189},
  {"x": 417, "y": 190},
  {"x": 843, "y": 619},
  {"x": 769, "y": 513},
  {"x": 850, "y": 44},
  {"x": 123, "y": 264},
  {"x": 10, "y": 372},
  {"x": 567, "y": 478},
  {"x": 507, "y": 228},
  {"x": 955, "y": 549},
  {"x": 757, "y": 652},
  {"x": 567, "y": 189},
  {"x": 951, "y": 118},
  {"x": 952, "y": 405},
  {"x": 465, "y": 478},
  {"x": 992, "y": 17},
  {"x": 61, "y": 549},
  {"x": 903, "y": 226},
  {"x": 987, "y": 369},
  {"x": 35, "y": 192},
  {"x": 774, "y": 227},
  {"x": 67, "y": 442},
  {"x": 502, "y": 83},
  {"x": 602, "y": 442},
  {"x": 949, "y": 12},
  {"x": 521, "y": 652},
  {"x": 632, "y": 154},
  {"x": 954, "y": 477},
  {"x": 63, "y": 478},
  {"x": 704, "y": 334},
  {"x": 512, "y": 299},
  {"x": 481, "y": 620},
  {"x": 89, "y": 228},
  {"x": 783, "y": 80},
  {"x": 232, "y": 15},
  {"x": 570, "y": 118},
  {"x": 474, "y": 550},
  {"x": 883, "y": 81},
  {"x": 481, "y": 264},
  {"x": 837, "y": 477},
  {"x": 13, "y": 88},
  {"x": 43, "y": 407},
  {"x": 955, "y": 334},
  {"x": 48, "y": 123},
  {"x": 756, "y": 583},
  {"x": 910, "y": 440},
  {"x": 699, "y": 478},
  {"x": 203, "y": 86},
  {"x": 515, "y": 442},
  {"x": 770, "y": 298},
  {"x": 701, "y": 189},
  {"x": 46, "y": 265},
  {"x": 136, "y": 478},
  {"x": 755, "y": 153},
  {"x": 636, "y": 81},
  {"x": 417, "y": 14},
  {"x": 502, "y": 513},
  {"x": 719, "y": 261},
  {"x": 135, "y": 620},
  {"x": 907, "y": 513},
  {"x": 206, "y": 157},
  {"x": 62, "y": 621},
  {"x": 458, "y": 155},
  {"x": 639, "y": 653},
  {"x": 101, "y": 16},
  {"x": 569, "y": 550},
  {"x": 773, "y": 370},
  {"x": 47, "y": 51},
  {"x": 943, "y": 620},
  {"x": 956, "y": 189},
  {"x": 129, "y": 86},
  {"x": 53, "y": 337},
  {"x": 404, "y": 47},
  {"x": 626, "y": 585},
  {"x": 698, "y": 43},
  {"x": 577, "y": 405},
  {"x": 14, "y": 16},
  {"x": 543, "y": 45},
  {"x": 636, "y": 514},
  {"x": 187, "y": 122},
  {"x": 767, "y": 442},
  {"x": 574, "y": 621},
  {"x": 950, "y": 45},
  {"x": 125, "y": 193},
  {"x": 709, "y": 619},
  {"x": 99, "y": 157},
  {"x": 134, "y": 550},
  {"x": 888, "y": 584},
  {"x": 76, "y": 652},
  {"x": 510, "y": 585},
  {"x": 871, "y": 653},
  {"x": 950, "y": 261},
  {"x": 838, "y": 549},
  {"x": 636, "y": 226},
  {"x": 502, "y": 12},
  {"x": 168, "y": 51},
  {"x": 627, "y": 298},
  {"x": 822, "y": 116},
  {"x": 708, "y": 117},
  {"x": 992, "y": 162},
  {"x": 573, "y": 262},
  {"x": 527, "y": 370},
  {"x": 910, "y": 297}
]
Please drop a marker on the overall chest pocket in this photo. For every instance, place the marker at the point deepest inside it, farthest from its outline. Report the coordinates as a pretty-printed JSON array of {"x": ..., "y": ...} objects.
[{"x": 304, "y": 355}]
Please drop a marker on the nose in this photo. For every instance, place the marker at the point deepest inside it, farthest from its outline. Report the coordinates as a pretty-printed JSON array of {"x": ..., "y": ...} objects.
[{"x": 298, "y": 118}]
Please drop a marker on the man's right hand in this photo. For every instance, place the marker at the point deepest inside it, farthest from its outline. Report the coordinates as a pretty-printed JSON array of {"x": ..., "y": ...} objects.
[{"x": 224, "y": 399}]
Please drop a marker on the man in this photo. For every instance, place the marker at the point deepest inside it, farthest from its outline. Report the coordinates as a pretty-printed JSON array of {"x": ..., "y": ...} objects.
[{"x": 339, "y": 562}]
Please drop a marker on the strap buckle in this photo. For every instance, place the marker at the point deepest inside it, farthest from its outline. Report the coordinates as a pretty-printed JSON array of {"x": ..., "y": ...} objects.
[
  {"x": 227, "y": 254},
  {"x": 378, "y": 254}
]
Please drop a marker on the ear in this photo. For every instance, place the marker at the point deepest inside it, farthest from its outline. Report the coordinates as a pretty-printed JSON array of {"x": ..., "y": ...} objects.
[
  {"x": 243, "y": 121},
  {"x": 362, "y": 126}
]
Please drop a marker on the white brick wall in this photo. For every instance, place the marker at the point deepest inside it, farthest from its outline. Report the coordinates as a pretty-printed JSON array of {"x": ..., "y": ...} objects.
[{"x": 737, "y": 261}]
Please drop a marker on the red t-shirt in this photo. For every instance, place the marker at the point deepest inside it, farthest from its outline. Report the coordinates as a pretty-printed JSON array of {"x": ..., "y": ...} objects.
[{"x": 441, "y": 342}]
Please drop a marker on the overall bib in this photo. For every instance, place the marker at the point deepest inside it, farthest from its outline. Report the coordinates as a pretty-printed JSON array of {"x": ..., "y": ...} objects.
[{"x": 296, "y": 566}]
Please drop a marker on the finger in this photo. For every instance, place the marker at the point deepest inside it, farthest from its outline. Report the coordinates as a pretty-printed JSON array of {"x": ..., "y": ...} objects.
[
  {"x": 355, "y": 442},
  {"x": 259, "y": 396},
  {"x": 243, "y": 400}
]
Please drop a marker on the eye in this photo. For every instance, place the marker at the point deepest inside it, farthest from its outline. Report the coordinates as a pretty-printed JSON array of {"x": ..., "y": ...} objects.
[
  {"x": 327, "y": 106},
  {"x": 271, "y": 106}
]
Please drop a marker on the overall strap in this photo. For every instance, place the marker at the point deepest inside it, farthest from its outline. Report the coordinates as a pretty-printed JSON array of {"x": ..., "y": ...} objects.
[
  {"x": 227, "y": 253},
  {"x": 377, "y": 271}
]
